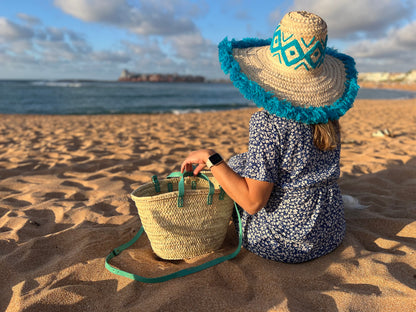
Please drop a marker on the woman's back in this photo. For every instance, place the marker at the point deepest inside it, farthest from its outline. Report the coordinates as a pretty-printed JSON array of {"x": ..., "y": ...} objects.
[
  {"x": 304, "y": 212},
  {"x": 285, "y": 148}
]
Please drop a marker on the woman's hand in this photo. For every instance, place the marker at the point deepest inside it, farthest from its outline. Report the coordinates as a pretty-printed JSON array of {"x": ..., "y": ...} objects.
[
  {"x": 251, "y": 195},
  {"x": 198, "y": 158}
]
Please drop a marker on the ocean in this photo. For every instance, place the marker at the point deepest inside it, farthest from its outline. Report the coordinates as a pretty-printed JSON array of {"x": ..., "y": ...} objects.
[{"x": 99, "y": 97}]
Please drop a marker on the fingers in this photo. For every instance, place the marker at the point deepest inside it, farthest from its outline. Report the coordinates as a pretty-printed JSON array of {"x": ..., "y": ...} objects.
[
  {"x": 196, "y": 158},
  {"x": 187, "y": 166},
  {"x": 199, "y": 168}
]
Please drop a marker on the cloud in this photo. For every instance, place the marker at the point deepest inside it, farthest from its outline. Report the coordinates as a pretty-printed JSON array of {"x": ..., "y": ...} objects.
[
  {"x": 148, "y": 57},
  {"x": 150, "y": 18},
  {"x": 114, "y": 11},
  {"x": 161, "y": 23},
  {"x": 346, "y": 18},
  {"x": 31, "y": 20},
  {"x": 110, "y": 57},
  {"x": 55, "y": 34},
  {"x": 17, "y": 47},
  {"x": 396, "y": 42},
  {"x": 38, "y": 44},
  {"x": 395, "y": 51},
  {"x": 65, "y": 44},
  {"x": 183, "y": 54},
  {"x": 10, "y": 31},
  {"x": 191, "y": 46},
  {"x": 168, "y": 39},
  {"x": 196, "y": 55}
]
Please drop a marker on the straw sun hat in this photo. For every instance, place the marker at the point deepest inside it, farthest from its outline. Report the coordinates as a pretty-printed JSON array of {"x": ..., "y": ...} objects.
[{"x": 294, "y": 75}]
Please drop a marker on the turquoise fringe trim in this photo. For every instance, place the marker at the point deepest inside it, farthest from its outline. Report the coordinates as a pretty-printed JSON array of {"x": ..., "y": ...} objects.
[{"x": 283, "y": 108}]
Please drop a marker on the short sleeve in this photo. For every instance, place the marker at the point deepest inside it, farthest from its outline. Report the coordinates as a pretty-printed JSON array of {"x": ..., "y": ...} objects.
[{"x": 262, "y": 161}]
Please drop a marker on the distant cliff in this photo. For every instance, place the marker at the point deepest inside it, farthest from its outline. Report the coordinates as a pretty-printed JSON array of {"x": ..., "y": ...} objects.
[
  {"x": 385, "y": 77},
  {"x": 134, "y": 77}
]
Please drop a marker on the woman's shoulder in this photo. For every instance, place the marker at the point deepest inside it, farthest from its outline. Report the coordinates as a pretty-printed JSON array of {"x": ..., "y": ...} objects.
[{"x": 264, "y": 116}]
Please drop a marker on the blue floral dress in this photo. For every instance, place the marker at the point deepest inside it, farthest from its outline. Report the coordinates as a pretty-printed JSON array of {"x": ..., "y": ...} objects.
[{"x": 304, "y": 217}]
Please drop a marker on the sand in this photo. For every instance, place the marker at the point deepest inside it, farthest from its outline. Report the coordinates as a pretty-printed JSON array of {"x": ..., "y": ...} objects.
[{"x": 64, "y": 205}]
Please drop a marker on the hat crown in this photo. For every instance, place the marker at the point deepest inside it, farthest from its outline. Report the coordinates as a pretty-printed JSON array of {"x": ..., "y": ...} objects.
[{"x": 299, "y": 43}]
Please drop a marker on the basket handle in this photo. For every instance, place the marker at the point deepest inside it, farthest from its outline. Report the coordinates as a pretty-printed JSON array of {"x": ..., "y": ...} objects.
[
  {"x": 180, "y": 273},
  {"x": 181, "y": 185}
]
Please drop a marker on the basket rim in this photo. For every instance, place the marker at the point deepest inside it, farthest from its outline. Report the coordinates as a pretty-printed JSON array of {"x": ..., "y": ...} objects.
[{"x": 150, "y": 185}]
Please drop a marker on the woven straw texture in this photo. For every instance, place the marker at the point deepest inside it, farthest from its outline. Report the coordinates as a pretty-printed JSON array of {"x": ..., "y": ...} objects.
[
  {"x": 183, "y": 232},
  {"x": 298, "y": 83}
]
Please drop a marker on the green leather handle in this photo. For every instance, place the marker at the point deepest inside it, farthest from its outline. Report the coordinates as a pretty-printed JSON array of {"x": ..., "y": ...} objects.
[{"x": 181, "y": 185}]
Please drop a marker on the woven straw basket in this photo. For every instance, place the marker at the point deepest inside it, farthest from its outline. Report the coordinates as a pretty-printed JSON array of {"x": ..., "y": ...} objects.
[{"x": 183, "y": 221}]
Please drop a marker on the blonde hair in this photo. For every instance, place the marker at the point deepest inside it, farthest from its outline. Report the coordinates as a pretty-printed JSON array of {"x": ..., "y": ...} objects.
[{"x": 326, "y": 137}]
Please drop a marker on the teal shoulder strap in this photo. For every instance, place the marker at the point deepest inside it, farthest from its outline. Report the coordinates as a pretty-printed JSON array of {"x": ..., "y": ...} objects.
[{"x": 180, "y": 273}]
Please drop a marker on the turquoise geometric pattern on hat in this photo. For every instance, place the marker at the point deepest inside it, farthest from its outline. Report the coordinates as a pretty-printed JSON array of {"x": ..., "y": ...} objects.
[{"x": 291, "y": 52}]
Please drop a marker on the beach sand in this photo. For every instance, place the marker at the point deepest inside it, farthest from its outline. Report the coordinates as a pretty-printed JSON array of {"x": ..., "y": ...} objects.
[{"x": 64, "y": 205}]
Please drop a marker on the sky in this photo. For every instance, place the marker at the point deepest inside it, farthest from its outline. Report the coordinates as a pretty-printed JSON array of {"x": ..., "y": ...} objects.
[{"x": 97, "y": 39}]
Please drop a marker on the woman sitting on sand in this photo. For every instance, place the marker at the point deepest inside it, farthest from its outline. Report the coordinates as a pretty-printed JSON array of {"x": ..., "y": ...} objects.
[{"x": 286, "y": 184}]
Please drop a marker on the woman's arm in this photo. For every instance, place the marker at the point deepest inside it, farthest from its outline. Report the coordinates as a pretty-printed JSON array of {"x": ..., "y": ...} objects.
[{"x": 249, "y": 194}]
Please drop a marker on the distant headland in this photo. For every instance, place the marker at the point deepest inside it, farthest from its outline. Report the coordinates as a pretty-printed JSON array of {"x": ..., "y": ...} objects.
[
  {"x": 404, "y": 80},
  {"x": 380, "y": 77},
  {"x": 134, "y": 77}
]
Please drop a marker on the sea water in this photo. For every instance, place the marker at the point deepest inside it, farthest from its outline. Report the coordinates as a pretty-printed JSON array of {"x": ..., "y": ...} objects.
[{"x": 101, "y": 97}]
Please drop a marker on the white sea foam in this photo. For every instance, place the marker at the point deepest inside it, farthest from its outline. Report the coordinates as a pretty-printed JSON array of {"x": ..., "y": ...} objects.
[
  {"x": 61, "y": 84},
  {"x": 185, "y": 111}
]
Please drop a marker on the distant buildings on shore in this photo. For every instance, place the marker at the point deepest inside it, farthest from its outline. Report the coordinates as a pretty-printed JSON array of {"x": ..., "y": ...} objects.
[
  {"x": 133, "y": 77},
  {"x": 386, "y": 77}
]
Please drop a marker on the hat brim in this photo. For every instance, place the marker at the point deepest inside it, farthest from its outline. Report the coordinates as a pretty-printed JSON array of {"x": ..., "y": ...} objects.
[{"x": 312, "y": 100}]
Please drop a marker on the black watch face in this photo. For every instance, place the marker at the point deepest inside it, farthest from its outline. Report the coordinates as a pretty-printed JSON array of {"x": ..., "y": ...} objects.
[{"x": 215, "y": 159}]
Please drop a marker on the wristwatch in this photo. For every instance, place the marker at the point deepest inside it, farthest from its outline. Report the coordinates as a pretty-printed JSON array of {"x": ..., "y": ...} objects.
[{"x": 214, "y": 160}]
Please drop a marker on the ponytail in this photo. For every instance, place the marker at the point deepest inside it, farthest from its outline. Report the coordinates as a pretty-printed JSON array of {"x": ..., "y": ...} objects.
[{"x": 326, "y": 137}]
